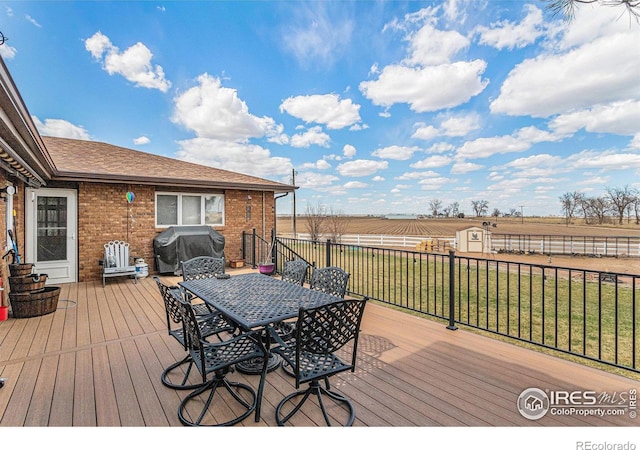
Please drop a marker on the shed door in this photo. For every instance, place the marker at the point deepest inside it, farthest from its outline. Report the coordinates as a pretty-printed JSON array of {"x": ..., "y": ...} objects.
[{"x": 51, "y": 233}]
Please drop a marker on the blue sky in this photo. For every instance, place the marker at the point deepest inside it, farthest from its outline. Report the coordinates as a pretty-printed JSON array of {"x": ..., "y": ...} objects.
[{"x": 380, "y": 107}]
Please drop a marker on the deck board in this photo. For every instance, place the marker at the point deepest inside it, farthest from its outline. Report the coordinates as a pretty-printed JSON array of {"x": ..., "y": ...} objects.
[{"x": 97, "y": 361}]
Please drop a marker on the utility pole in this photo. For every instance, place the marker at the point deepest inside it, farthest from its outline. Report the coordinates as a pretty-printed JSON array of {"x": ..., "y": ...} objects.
[
  {"x": 522, "y": 213},
  {"x": 293, "y": 215}
]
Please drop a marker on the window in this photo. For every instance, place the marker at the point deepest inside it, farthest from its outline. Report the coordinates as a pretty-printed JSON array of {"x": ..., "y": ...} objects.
[{"x": 189, "y": 209}]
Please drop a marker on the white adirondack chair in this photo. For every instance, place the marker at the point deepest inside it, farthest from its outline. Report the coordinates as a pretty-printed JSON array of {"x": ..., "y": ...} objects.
[{"x": 117, "y": 262}]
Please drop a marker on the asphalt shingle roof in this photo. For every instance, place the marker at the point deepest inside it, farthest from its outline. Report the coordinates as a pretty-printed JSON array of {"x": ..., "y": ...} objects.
[{"x": 81, "y": 160}]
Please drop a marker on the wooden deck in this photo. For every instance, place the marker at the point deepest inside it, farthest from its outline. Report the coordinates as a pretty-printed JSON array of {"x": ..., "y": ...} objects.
[{"x": 97, "y": 361}]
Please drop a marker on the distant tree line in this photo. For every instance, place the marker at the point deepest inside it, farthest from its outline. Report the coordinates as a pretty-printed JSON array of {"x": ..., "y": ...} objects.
[
  {"x": 616, "y": 203},
  {"x": 323, "y": 221}
]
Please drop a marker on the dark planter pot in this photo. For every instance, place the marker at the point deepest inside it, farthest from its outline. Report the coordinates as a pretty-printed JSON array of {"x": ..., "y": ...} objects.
[
  {"x": 32, "y": 304},
  {"x": 28, "y": 283},
  {"x": 19, "y": 270}
]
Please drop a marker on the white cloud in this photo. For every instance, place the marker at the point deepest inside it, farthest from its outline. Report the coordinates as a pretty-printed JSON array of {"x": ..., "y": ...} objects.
[
  {"x": 485, "y": 147},
  {"x": 440, "y": 147},
  {"x": 142, "y": 140},
  {"x": 512, "y": 35},
  {"x": 134, "y": 63},
  {"x": 461, "y": 167},
  {"x": 216, "y": 112},
  {"x": 417, "y": 175},
  {"x": 396, "y": 152},
  {"x": 432, "y": 162},
  {"x": 7, "y": 51},
  {"x": 425, "y": 132},
  {"x": 313, "y": 136},
  {"x": 582, "y": 78},
  {"x": 460, "y": 125},
  {"x": 234, "y": 156},
  {"x": 520, "y": 141},
  {"x": 619, "y": 118},
  {"x": 314, "y": 180},
  {"x": 61, "y": 128},
  {"x": 32, "y": 20},
  {"x": 318, "y": 33},
  {"x": 377, "y": 179},
  {"x": 361, "y": 167},
  {"x": 349, "y": 151},
  {"x": 427, "y": 89},
  {"x": 608, "y": 160},
  {"x": 430, "y": 184},
  {"x": 355, "y": 185},
  {"x": 430, "y": 46},
  {"x": 326, "y": 109},
  {"x": 321, "y": 164}
]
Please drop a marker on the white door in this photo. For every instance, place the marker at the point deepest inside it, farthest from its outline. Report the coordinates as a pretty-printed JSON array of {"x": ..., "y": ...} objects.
[{"x": 51, "y": 227}]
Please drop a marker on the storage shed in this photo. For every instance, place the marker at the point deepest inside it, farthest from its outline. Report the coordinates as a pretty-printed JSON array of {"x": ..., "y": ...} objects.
[{"x": 473, "y": 240}]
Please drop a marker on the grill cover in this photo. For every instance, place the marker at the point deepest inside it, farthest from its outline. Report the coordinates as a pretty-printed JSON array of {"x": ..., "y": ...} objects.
[{"x": 177, "y": 244}]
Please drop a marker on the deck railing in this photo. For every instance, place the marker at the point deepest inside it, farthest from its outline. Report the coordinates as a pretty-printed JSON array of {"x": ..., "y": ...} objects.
[{"x": 586, "y": 313}]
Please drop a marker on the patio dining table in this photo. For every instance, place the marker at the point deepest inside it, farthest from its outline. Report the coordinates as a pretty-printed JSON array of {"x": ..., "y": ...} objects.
[{"x": 255, "y": 302}]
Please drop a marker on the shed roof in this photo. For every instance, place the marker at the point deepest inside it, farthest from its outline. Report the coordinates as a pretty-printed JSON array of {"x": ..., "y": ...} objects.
[{"x": 79, "y": 160}]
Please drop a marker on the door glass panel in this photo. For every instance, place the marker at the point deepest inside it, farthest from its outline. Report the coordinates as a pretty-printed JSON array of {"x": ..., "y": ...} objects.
[{"x": 52, "y": 229}]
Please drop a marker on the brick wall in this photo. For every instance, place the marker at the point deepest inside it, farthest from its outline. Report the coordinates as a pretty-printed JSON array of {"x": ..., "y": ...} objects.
[{"x": 104, "y": 215}]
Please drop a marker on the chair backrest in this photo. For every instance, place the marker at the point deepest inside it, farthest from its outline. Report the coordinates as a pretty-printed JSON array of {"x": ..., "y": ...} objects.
[
  {"x": 170, "y": 296},
  {"x": 325, "y": 329},
  {"x": 331, "y": 280},
  {"x": 202, "y": 267},
  {"x": 295, "y": 271},
  {"x": 116, "y": 254}
]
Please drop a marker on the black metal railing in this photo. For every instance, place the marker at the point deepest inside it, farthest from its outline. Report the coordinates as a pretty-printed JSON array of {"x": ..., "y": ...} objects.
[{"x": 586, "y": 313}]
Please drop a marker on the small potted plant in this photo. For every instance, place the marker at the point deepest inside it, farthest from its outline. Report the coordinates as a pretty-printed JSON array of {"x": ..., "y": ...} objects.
[{"x": 267, "y": 266}]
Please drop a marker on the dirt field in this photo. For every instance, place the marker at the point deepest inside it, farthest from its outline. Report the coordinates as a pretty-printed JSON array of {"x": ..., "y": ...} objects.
[{"x": 448, "y": 228}]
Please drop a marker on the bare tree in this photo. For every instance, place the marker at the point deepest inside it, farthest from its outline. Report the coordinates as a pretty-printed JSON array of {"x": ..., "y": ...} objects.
[
  {"x": 480, "y": 207},
  {"x": 567, "y": 8},
  {"x": 337, "y": 225},
  {"x": 596, "y": 208},
  {"x": 620, "y": 199},
  {"x": 435, "y": 206},
  {"x": 315, "y": 216},
  {"x": 570, "y": 202}
]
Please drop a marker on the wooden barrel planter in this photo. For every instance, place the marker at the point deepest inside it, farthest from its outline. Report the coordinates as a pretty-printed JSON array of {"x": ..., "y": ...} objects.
[
  {"x": 32, "y": 304},
  {"x": 30, "y": 297},
  {"x": 28, "y": 283},
  {"x": 18, "y": 270}
]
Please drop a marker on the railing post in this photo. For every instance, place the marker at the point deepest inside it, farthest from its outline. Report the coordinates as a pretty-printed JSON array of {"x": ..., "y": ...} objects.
[
  {"x": 244, "y": 246},
  {"x": 452, "y": 296},
  {"x": 328, "y": 252},
  {"x": 274, "y": 253},
  {"x": 253, "y": 250}
]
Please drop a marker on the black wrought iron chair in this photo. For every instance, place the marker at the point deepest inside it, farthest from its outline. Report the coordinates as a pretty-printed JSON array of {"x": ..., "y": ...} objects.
[
  {"x": 210, "y": 325},
  {"x": 332, "y": 280},
  {"x": 199, "y": 268},
  {"x": 295, "y": 271},
  {"x": 320, "y": 332},
  {"x": 214, "y": 361}
]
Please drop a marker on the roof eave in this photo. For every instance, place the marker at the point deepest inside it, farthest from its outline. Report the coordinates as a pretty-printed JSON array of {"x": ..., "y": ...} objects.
[{"x": 172, "y": 182}]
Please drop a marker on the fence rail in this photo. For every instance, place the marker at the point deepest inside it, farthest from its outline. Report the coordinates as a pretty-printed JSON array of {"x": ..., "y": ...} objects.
[
  {"x": 586, "y": 313},
  {"x": 606, "y": 246}
]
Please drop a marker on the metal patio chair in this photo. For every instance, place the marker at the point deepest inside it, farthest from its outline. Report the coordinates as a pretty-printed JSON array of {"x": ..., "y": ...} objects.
[
  {"x": 214, "y": 361},
  {"x": 210, "y": 325},
  {"x": 199, "y": 268},
  {"x": 320, "y": 332},
  {"x": 331, "y": 280},
  {"x": 295, "y": 271}
]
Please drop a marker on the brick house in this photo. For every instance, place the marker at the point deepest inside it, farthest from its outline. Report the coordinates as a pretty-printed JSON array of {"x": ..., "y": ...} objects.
[{"x": 71, "y": 196}]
